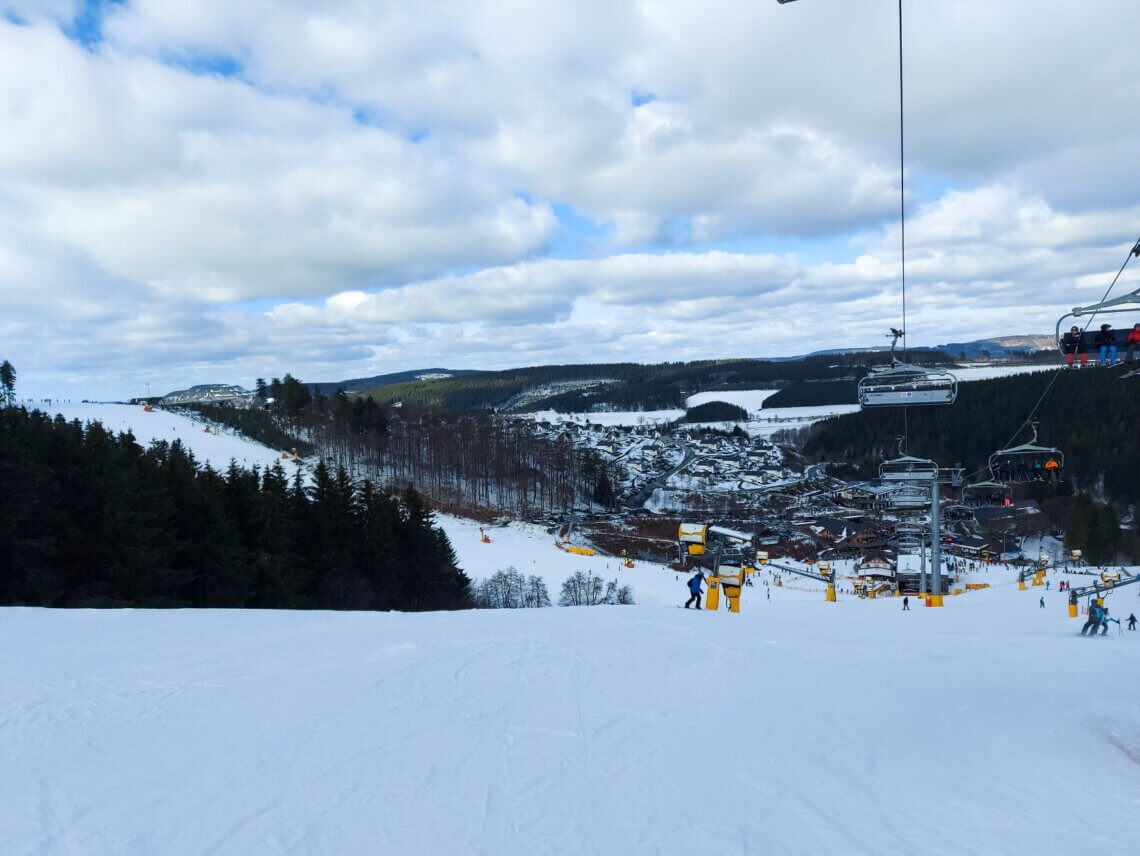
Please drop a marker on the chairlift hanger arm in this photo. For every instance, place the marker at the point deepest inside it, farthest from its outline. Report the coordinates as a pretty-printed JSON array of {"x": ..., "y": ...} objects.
[
  {"x": 1132, "y": 297},
  {"x": 1097, "y": 588},
  {"x": 819, "y": 578}
]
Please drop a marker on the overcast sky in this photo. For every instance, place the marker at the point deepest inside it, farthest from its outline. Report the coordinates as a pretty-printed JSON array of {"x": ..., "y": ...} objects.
[{"x": 210, "y": 191}]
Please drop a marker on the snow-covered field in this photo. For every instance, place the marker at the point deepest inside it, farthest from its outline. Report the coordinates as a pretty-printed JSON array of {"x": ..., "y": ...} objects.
[
  {"x": 794, "y": 727},
  {"x": 216, "y": 449},
  {"x": 750, "y": 399},
  {"x": 972, "y": 373},
  {"x": 530, "y": 550},
  {"x": 608, "y": 419}
]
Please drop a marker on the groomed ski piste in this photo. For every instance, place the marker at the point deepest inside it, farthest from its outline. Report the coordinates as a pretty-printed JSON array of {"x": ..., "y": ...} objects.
[{"x": 797, "y": 726}]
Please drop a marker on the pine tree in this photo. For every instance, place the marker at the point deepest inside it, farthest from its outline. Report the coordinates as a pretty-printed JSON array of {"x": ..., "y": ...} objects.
[{"x": 8, "y": 381}]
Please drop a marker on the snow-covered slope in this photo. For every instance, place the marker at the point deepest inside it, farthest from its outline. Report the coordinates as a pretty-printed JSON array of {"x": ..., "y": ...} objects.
[
  {"x": 214, "y": 448},
  {"x": 531, "y": 550},
  {"x": 796, "y": 727}
]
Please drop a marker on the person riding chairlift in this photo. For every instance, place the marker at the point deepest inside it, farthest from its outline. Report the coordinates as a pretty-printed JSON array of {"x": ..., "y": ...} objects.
[
  {"x": 1052, "y": 467},
  {"x": 1071, "y": 344},
  {"x": 1133, "y": 342},
  {"x": 1105, "y": 342}
]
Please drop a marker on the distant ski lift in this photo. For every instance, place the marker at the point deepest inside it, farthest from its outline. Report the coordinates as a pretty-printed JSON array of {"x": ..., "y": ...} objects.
[
  {"x": 901, "y": 384},
  {"x": 908, "y": 468},
  {"x": 909, "y": 497},
  {"x": 1027, "y": 462},
  {"x": 986, "y": 493},
  {"x": 1125, "y": 303}
]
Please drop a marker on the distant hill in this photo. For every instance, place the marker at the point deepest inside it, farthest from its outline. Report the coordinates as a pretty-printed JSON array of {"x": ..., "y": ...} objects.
[
  {"x": 996, "y": 348},
  {"x": 1000, "y": 347},
  {"x": 361, "y": 383},
  {"x": 614, "y": 386},
  {"x": 210, "y": 393}
]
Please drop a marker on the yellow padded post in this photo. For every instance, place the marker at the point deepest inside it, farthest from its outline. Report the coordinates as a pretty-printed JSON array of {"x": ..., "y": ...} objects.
[{"x": 712, "y": 600}]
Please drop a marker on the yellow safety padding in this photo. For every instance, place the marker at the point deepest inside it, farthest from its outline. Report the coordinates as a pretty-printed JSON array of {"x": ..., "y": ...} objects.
[
  {"x": 712, "y": 600},
  {"x": 581, "y": 551}
]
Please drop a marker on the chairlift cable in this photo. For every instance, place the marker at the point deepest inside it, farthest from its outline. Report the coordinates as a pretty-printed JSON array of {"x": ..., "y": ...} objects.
[{"x": 902, "y": 215}]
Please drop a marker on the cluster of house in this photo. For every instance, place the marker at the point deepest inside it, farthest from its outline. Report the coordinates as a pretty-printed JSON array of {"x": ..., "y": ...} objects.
[
  {"x": 858, "y": 521},
  {"x": 733, "y": 463},
  {"x": 645, "y": 453}
]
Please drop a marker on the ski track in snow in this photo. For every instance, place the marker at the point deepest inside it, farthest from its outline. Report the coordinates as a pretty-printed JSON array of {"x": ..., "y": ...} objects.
[{"x": 794, "y": 727}]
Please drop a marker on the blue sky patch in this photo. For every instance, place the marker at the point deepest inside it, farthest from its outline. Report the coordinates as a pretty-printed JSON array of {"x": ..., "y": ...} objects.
[
  {"x": 204, "y": 63},
  {"x": 87, "y": 26}
]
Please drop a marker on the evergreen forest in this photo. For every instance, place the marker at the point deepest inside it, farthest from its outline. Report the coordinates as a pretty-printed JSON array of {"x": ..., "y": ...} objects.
[
  {"x": 90, "y": 519},
  {"x": 472, "y": 462}
]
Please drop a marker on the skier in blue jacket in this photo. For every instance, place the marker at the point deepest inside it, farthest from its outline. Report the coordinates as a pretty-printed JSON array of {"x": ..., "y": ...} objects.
[
  {"x": 1104, "y": 619},
  {"x": 1095, "y": 613},
  {"x": 695, "y": 589}
]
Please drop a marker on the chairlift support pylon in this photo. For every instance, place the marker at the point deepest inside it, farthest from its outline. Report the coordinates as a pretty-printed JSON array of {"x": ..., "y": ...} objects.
[{"x": 902, "y": 384}]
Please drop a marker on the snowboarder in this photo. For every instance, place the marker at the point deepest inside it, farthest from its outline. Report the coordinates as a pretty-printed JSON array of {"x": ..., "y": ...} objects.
[
  {"x": 1131, "y": 621},
  {"x": 1093, "y": 623},
  {"x": 1046, "y": 585},
  {"x": 695, "y": 589},
  {"x": 1042, "y": 603},
  {"x": 906, "y": 604}
]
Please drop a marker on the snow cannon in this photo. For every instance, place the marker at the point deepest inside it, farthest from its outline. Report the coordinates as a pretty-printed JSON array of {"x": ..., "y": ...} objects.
[
  {"x": 732, "y": 584},
  {"x": 693, "y": 538},
  {"x": 824, "y": 569},
  {"x": 483, "y": 536}
]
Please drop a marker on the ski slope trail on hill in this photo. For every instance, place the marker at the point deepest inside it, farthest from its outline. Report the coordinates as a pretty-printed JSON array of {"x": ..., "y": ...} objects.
[
  {"x": 797, "y": 726},
  {"x": 215, "y": 449}
]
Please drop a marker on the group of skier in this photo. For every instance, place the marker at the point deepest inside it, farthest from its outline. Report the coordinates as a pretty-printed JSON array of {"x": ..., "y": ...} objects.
[
  {"x": 1098, "y": 615},
  {"x": 1098, "y": 620}
]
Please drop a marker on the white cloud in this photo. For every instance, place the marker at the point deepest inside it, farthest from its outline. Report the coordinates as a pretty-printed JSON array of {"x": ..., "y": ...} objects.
[{"x": 376, "y": 188}]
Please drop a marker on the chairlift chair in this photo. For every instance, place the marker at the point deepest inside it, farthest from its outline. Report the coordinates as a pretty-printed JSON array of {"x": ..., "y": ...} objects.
[
  {"x": 902, "y": 384},
  {"x": 1027, "y": 462},
  {"x": 986, "y": 493},
  {"x": 908, "y": 498},
  {"x": 1125, "y": 303},
  {"x": 908, "y": 468}
]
